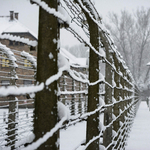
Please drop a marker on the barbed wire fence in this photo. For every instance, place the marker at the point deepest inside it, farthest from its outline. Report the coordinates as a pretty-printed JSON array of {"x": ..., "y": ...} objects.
[{"x": 117, "y": 94}]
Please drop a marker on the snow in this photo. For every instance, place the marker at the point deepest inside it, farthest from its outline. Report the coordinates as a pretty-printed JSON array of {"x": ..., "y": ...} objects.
[
  {"x": 14, "y": 26},
  {"x": 50, "y": 55},
  {"x": 30, "y": 58},
  {"x": 60, "y": 15},
  {"x": 63, "y": 11},
  {"x": 56, "y": 76},
  {"x": 72, "y": 59},
  {"x": 63, "y": 64},
  {"x": 20, "y": 90},
  {"x": 148, "y": 64},
  {"x": 62, "y": 61},
  {"x": 9, "y": 54},
  {"x": 140, "y": 132},
  {"x": 18, "y": 39},
  {"x": 28, "y": 139},
  {"x": 72, "y": 137},
  {"x": 46, "y": 136},
  {"x": 63, "y": 111},
  {"x": 4, "y": 23},
  {"x": 7, "y": 26}
]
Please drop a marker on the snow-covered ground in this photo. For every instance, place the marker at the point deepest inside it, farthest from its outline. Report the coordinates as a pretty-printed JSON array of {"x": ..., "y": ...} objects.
[
  {"x": 24, "y": 126},
  {"x": 139, "y": 139},
  {"x": 140, "y": 133},
  {"x": 72, "y": 137}
]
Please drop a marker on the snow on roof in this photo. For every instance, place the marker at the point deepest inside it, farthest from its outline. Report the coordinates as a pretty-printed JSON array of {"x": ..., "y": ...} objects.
[
  {"x": 14, "y": 26},
  {"x": 4, "y": 23},
  {"x": 148, "y": 64},
  {"x": 72, "y": 59}
]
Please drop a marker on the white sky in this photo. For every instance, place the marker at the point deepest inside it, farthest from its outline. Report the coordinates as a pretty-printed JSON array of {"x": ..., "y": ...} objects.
[{"x": 28, "y": 14}]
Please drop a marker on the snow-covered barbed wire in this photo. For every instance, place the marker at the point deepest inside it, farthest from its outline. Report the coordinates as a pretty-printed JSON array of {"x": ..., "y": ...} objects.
[
  {"x": 58, "y": 14},
  {"x": 46, "y": 136},
  {"x": 30, "y": 58},
  {"x": 125, "y": 101},
  {"x": 10, "y": 55},
  {"x": 18, "y": 39}
]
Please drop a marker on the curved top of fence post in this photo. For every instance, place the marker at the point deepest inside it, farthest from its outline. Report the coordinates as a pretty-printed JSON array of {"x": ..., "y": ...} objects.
[
  {"x": 93, "y": 129},
  {"x": 89, "y": 7}
]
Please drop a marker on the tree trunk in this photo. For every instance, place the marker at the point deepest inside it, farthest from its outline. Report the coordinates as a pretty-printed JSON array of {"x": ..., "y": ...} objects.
[{"x": 45, "y": 114}]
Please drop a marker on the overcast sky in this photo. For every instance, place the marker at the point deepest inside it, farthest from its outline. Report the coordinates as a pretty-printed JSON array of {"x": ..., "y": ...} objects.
[{"x": 28, "y": 14}]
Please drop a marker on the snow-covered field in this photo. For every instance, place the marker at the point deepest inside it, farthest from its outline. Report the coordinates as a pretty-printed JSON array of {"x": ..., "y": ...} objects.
[
  {"x": 24, "y": 125},
  {"x": 140, "y": 133},
  {"x": 73, "y": 136},
  {"x": 70, "y": 138}
]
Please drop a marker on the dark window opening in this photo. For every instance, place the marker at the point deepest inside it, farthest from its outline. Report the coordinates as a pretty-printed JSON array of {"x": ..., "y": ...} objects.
[
  {"x": 21, "y": 44},
  {"x": 5, "y": 83},
  {"x": 10, "y": 42},
  {"x": 27, "y": 82},
  {"x": 32, "y": 48},
  {"x": 16, "y": 43}
]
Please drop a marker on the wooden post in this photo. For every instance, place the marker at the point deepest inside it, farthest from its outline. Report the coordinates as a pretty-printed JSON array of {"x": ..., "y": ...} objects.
[
  {"x": 116, "y": 95},
  {"x": 122, "y": 104},
  {"x": 45, "y": 113},
  {"x": 11, "y": 139},
  {"x": 107, "y": 136},
  {"x": 93, "y": 128}
]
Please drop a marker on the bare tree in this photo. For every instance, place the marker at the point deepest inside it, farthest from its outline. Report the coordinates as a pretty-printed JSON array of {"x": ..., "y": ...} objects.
[
  {"x": 79, "y": 51},
  {"x": 121, "y": 30},
  {"x": 131, "y": 33},
  {"x": 143, "y": 34}
]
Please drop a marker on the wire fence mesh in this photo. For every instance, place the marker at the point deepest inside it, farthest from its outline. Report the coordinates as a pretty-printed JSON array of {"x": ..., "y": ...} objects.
[{"x": 118, "y": 95}]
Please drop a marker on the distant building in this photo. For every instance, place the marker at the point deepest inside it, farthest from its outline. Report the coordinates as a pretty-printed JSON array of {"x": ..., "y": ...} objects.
[
  {"x": 78, "y": 64},
  {"x": 11, "y": 25}
]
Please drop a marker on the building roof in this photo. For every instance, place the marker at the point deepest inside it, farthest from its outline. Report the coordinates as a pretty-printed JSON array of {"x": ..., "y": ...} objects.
[
  {"x": 80, "y": 62},
  {"x": 13, "y": 26},
  {"x": 8, "y": 25}
]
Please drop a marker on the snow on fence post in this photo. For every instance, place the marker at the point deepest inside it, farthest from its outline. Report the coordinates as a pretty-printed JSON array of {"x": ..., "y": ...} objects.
[
  {"x": 116, "y": 95},
  {"x": 93, "y": 128},
  {"x": 11, "y": 134},
  {"x": 129, "y": 94},
  {"x": 107, "y": 136},
  {"x": 124, "y": 105},
  {"x": 45, "y": 113},
  {"x": 121, "y": 103}
]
